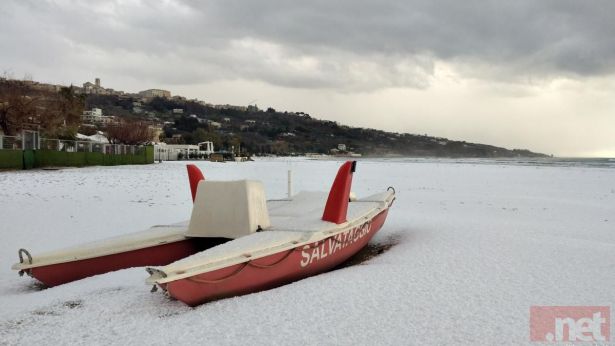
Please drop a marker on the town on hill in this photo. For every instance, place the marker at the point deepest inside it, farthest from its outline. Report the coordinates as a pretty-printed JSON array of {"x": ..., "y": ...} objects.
[{"x": 154, "y": 115}]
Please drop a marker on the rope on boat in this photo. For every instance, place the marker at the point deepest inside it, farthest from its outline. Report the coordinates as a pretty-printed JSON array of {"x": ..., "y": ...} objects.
[
  {"x": 241, "y": 268},
  {"x": 260, "y": 266},
  {"x": 265, "y": 266},
  {"x": 202, "y": 281},
  {"x": 337, "y": 241},
  {"x": 255, "y": 265},
  {"x": 310, "y": 246}
]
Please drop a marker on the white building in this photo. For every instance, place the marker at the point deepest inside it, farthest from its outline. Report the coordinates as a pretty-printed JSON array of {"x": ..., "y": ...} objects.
[
  {"x": 109, "y": 120},
  {"x": 206, "y": 147},
  {"x": 92, "y": 117},
  {"x": 174, "y": 152},
  {"x": 95, "y": 116}
]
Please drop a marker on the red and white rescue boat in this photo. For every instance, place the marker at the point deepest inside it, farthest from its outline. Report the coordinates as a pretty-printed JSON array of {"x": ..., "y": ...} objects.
[
  {"x": 159, "y": 245},
  {"x": 276, "y": 242}
]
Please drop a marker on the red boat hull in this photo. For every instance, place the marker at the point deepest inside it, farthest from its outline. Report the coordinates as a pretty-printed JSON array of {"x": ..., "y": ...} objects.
[
  {"x": 276, "y": 269},
  {"x": 159, "y": 255}
]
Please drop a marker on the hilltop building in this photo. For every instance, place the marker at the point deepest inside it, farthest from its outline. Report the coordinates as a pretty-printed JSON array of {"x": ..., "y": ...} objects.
[
  {"x": 227, "y": 106},
  {"x": 151, "y": 93},
  {"x": 96, "y": 89}
]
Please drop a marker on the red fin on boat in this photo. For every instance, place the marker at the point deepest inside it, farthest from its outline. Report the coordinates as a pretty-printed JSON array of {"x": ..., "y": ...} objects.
[
  {"x": 337, "y": 203},
  {"x": 194, "y": 175}
]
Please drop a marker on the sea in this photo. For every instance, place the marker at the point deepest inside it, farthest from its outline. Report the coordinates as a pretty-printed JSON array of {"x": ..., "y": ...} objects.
[{"x": 542, "y": 161}]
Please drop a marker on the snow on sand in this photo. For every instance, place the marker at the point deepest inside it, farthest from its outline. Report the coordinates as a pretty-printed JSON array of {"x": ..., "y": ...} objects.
[{"x": 478, "y": 244}]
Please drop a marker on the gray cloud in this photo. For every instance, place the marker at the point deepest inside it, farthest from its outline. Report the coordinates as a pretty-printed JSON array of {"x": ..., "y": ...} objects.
[
  {"x": 486, "y": 71},
  {"x": 542, "y": 36},
  {"x": 347, "y": 45}
]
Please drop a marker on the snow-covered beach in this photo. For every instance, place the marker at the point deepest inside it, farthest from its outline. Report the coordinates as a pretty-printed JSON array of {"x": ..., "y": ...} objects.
[{"x": 477, "y": 243}]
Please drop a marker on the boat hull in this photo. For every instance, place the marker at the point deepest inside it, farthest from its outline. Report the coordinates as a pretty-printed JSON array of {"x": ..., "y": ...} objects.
[
  {"x": 61, "y": 273},
  {"x": 276, "y": 269}
]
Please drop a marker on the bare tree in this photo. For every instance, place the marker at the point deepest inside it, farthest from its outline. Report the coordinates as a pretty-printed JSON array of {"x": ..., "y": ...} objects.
[
  {"x": 16, "y": 107},
  {"x": 61, "y": 115},
  {"x": 54, "y": 113},
  {"x": 129, "y": 132}
]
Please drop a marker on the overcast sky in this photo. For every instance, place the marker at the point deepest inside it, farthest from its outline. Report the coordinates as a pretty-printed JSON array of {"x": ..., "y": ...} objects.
[{"x": 533, "y": 74}]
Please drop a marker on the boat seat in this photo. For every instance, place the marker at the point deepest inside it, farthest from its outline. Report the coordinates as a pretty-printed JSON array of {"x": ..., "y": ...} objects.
[
  {"x": 228, "y": 209},
  {"x": 303, "y": 212}
]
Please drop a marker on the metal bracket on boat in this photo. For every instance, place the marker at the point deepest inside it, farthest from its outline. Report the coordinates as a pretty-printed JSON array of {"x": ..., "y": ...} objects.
[
  {"x": 391, "y": 188},
  {"x": 21, "y": 253},
  {"x": 152, "y": 271},
  {"x": 155, "y": 289}
]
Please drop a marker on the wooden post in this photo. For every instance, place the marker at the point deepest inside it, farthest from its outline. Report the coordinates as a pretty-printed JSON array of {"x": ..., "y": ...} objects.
[{"x": 290, "y": 184}]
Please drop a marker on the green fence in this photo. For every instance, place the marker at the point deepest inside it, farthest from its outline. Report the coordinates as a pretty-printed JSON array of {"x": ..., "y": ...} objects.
[
  {"x": 26, "y": 159},
  {"x": 11, "y": 159}
]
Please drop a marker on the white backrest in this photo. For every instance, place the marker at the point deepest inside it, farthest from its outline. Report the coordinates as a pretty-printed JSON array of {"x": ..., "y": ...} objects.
[{"x": 228, "y": 209}]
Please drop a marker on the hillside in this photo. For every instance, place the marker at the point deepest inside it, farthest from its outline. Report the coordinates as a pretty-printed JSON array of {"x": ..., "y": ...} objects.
[{"x": 270, "y": 131}]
